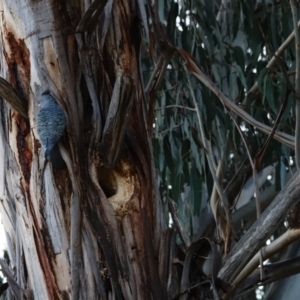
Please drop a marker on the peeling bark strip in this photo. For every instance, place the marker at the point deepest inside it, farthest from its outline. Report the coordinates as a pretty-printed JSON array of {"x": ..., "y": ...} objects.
[
  {"x": 90, "y": 18},
  {"x": 117, "y": 120},
  {"x": 9, "y": 94}
]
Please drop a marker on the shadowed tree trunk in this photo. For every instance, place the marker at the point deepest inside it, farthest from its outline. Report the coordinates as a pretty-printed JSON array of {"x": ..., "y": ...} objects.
[{"x": 91, "y": 230}]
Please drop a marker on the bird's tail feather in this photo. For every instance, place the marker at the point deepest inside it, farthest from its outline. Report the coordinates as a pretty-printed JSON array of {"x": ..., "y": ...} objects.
[{"x": 55, "y": 158}]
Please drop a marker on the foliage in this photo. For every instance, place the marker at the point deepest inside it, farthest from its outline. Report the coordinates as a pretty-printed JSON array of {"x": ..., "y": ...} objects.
[
  {"x": 233, "y": 42},
  {"x": 234, "y": 52}
]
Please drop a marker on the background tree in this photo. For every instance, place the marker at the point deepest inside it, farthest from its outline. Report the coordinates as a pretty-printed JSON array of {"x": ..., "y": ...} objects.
[{"x": 183, "y": 130}]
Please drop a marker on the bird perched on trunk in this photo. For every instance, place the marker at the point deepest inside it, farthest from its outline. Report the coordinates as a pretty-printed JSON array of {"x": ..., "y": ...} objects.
[{"x": 51, "y": 123}]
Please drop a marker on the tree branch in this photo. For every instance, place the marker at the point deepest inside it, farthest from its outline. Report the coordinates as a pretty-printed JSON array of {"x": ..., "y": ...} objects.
[
  {"x": 254, "y": 89},
  {"x": 297, "y": 83},
  {"x": 155, "y": 79},
  {"x": 280, "y": 243},
  {"x": 209, "y": 156},
  {"x": 261, "y": 230}
]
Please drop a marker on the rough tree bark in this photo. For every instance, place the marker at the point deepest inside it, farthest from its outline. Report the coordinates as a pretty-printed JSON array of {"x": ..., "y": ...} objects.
[{"x": 93, "y": 229}]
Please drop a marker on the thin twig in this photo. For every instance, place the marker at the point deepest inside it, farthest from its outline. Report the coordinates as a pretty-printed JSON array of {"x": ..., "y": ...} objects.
[
  {"x": 214, "y": 198},
  {"x": 167, "y": 130},
  {"x": 154, "y": 81},
  {"x": 243, "y": 139},
  {"x": 237, "y": 173},
  {"x": 254, "y": 89},
  {"x": 256, "y": 187},
  {"x": 258, "y": 213},
  {"x": 176, "y": 106},
  {"x": 284, "y": 138},
  {"x": 209, "y": 157}
]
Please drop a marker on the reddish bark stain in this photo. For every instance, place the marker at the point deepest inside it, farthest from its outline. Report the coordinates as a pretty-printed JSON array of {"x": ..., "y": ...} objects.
[{"x": 18, "y": 63}]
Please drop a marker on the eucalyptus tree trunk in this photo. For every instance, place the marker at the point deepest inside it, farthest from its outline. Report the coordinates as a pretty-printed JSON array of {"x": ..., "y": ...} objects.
[{"x": 91, "y": 230}]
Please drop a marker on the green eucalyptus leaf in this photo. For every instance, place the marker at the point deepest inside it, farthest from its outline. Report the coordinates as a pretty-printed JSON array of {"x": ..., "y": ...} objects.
[
  {"x": 171, "y": 24},
  {"x": 238, "y": 55}
]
